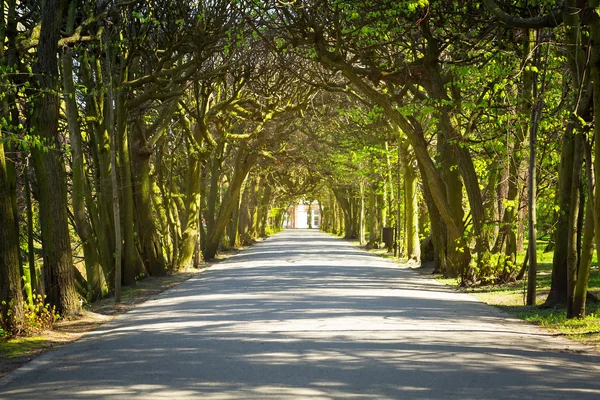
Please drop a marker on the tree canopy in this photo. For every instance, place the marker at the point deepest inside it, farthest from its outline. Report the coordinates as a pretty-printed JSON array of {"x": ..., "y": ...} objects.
[{"x": 142, "y": 137}]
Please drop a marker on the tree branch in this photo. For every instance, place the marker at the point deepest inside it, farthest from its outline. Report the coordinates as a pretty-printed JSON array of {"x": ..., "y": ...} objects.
[{"x": 551, "y": 20}]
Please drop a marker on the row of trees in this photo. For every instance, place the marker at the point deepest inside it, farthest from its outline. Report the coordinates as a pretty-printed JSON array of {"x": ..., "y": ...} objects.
[
  {"x": 142, "y": 121},
  {"x": 485, "y": 102},
  {"x": 140, "y": 137}
]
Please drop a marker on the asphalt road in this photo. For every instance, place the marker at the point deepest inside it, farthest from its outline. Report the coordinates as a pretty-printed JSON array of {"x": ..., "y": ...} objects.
[{"x": 307, "y": 316}]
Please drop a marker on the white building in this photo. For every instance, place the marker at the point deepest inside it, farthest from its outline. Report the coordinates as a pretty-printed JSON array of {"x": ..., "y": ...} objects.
[{"x": 300, "y": 214}]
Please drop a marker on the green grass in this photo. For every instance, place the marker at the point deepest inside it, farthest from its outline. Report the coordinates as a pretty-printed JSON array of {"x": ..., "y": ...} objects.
[
  {"x": 511, "y": 298},
  {"x": 18, "y": 347}
]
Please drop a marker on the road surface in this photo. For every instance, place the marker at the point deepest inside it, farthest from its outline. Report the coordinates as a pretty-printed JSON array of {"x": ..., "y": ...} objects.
[{"x": 304, "y": 315}]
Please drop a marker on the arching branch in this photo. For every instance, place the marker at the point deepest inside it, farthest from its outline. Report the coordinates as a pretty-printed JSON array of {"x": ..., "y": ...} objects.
[{"x": 551, "y": 20}]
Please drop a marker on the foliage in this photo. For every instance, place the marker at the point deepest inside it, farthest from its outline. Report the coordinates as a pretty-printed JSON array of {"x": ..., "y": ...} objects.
[{"x": 39, "y": 316}]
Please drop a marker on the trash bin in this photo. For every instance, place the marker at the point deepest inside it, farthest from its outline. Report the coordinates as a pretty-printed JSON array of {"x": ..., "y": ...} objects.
[{"x": 388, "y": 237}]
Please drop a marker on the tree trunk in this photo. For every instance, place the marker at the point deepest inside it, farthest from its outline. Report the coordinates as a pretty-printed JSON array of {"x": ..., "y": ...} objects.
[
  {"x": 572, "y": 250},
  {"x": 361, "y": 229},
  {"x": 234, "y": 223},
  {"x": 35, "y": 286},
  {"x": 151, "y": 249},
  {"x": 82, "y": 224},
  {"x": 413, "y": 248},
  {"x": 372, "y": 204},
  {"x": 244, "y": 162},
  {"x": 263, "y": 214},
  {"x": 558, "y": 287},
  {"x": 11, "y": 295},
  {"x": 213, "y": 194},
  {"x": 192, "y": 215},
  {"x": 245, "y": 215},
  {"x": 133, "y": 265},
  {"x": 587, "y": 247},
  {"x": 50, "y": 169},
  {"x": 98, "y": 110}
]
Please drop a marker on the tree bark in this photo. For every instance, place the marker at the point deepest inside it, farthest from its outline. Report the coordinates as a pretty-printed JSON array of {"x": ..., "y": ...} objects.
[
  {"x": 50, "y": 169},
  {"x": 587, "y": 247},
  {"x": 572, "y": 250},
  {"x": 413, "y": 248},
  {"x": 82, "y": 224},
  {"x": 11, "y": 295},
  {"x": 151, "y": 248},
  {"x": 245, "y": 160}
]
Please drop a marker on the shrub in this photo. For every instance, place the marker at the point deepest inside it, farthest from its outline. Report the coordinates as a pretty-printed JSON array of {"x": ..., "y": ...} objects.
[{"x": 38, "y": 316}]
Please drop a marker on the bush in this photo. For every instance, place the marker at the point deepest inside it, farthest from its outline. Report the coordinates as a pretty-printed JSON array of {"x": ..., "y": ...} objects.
[{"x": 38, "y": 317}]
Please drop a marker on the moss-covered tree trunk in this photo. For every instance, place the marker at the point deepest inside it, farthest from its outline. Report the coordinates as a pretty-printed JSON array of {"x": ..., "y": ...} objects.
[
  {"x": 214, "y": 188},
  {"x": 50, "y": 169},
  {"x": 151, "y": 248},
  {"x": 372, "y": 217},
  {"x": 10, "y": 263},
  {"x": 244, "y": 162},
  {"x": 234, "y": 223},
  {"x": 334, "y": 213},
  {"x": 100, "y": 207},
  {"x": 133, "y": 265},
  {"x": 82, "y": 224},
  {"x": 263, "y": 210},
  {"x": 587, "y": 245},
  {"x": 245, "y": 216},
  {"x": 192, "y": 213},
  {"x": 413, "y": 248}
]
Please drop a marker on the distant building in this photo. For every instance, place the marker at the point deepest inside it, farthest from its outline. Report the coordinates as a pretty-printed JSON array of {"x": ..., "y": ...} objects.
[{"x": 303, "y": 215}]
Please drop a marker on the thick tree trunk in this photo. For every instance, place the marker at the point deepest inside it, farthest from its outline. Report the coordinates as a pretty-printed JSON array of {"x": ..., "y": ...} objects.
[
  {"x": 346, "y": 205},
  {"x": 413, "y": 248},
  {"x": 572, "y": 248},
  {"x": 151, "y": 249},
  {"x": 192, "y": 215},
  {"x": 133, "y": 265},
  {"x": 438, "y": 235},
  {"x": 244, "y": 162},
  {"x": 595, "y": 77},
  {"x": 263, "y": 213},
  {"x": 11, "y": 295},
  {"x": 245, "y": 216},
  {"x": 100, "y": 209},
  {"x": 10, "y": 263},
  {"x": 213, "y": 194},
  {"x": 50, "y": 169},
  {"x": 558, "y": 287},
  {"x": 234, "y": 223}
]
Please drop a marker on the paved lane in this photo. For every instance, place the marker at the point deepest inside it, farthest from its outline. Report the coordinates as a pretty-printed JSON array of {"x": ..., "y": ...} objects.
[{"x": 307, "y": 316}]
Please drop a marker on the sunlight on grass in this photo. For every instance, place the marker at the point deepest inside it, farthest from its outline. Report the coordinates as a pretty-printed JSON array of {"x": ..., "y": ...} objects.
[{"x": 17, "y": 347}]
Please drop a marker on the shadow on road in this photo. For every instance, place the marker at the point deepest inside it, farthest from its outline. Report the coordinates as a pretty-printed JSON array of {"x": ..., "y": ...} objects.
[{"x": 304, "y": 315}]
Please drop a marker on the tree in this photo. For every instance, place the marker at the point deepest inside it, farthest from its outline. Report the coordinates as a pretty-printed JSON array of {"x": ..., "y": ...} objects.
[{"x": 50, "y": 169}]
